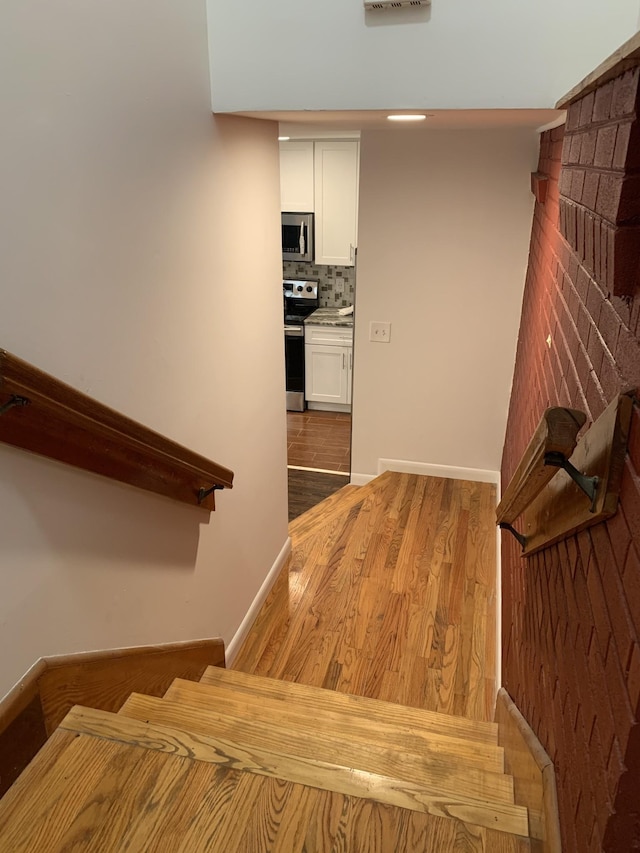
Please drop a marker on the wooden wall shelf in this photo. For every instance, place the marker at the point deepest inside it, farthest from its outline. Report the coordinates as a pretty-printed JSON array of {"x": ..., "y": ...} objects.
[
  {"x": 551, "y": 504},
  {"x": 40, "y": 414}
]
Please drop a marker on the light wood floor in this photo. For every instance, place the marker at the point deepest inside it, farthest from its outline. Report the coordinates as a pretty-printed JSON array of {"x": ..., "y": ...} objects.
[
  {"x": 390, "y": 594},
  {"x": 319, "y": 440}
]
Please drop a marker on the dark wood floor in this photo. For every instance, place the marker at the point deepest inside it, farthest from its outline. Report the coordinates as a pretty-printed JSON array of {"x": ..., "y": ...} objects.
[
  {"x": 308, "y": 488},
  {"x": 319, "y": 440}
]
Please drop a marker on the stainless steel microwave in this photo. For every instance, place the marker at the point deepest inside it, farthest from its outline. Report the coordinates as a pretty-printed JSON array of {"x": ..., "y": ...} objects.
[{"x": 297, "y": 237}]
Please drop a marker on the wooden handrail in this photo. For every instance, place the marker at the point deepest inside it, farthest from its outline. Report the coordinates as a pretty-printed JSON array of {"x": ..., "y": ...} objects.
[
  {"x": 557, "y": 432},
  {"x": 45, "y": 416},
  {"x": 561, "y": 487}
]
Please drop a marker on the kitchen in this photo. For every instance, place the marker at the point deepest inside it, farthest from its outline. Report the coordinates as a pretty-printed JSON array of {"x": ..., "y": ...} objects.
[{"x": 319, "y": 203}]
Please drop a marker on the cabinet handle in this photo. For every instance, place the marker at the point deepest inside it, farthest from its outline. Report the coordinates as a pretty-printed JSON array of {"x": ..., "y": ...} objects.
[
  {"x": 343, "y": 361},
  {"x": 350, "y": 361}
]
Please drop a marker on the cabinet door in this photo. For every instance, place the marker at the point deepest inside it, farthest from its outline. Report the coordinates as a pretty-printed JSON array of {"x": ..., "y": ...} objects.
[
  {"x": 326, "y": 374},
  {"x": 296, "y": 177},
  {"x": 336, "y": 195}
]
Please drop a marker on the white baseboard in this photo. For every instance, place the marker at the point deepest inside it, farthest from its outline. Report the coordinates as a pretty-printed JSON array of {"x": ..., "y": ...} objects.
[
  {"x": 451, "y": 472},
  {"x": 245, "y": 626},
  {"x": 498, "y": 597},
  {"x": 329, "y": 407},
  {"x": 361, "y": 479}
]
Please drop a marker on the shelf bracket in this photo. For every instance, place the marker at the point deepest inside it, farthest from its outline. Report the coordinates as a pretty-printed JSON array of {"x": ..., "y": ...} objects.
[
  {"x": 203, "y": 494},
  {"x": 521, "y": 539},
  {"x": 589, "y": 485},
  {"x": 13, "y": 402}
]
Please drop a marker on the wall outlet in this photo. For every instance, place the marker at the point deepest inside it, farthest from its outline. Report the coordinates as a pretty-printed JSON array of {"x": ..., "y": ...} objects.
[
  {"x": 338, "y": 287},
  {"x": 380, "y": 332}
]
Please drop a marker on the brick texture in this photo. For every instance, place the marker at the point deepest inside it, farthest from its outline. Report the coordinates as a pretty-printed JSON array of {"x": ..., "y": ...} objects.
[
  {"x": 571, "y": 613},
  {"x": 599, "y": 184}
]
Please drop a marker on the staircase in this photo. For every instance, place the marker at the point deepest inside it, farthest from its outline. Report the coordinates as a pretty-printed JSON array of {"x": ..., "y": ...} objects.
[
  {"x": 368, "y": 612},
  {"x": 241, "y": 762}
]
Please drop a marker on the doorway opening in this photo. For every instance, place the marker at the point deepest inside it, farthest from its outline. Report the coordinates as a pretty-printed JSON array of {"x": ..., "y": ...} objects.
[{"x": 318, "y": 457}]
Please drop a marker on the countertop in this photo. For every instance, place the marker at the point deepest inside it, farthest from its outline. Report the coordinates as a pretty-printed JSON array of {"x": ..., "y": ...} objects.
[{"x": 329, "y": 317}]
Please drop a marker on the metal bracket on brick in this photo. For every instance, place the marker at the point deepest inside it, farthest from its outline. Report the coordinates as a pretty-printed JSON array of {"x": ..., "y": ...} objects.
[
  {"x": 521, "y": 539},
  {"x": 589, "y": 485}
]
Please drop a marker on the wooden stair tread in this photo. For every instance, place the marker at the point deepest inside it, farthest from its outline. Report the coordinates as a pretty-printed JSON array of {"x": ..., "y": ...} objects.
[
  {"x": 108, "y": 783},
  {"x": 435, "y": 774},
  {"x": 159, "y": 734},
  {"x": 359, "y": 706},
  {"x": 287, "y": 714}
]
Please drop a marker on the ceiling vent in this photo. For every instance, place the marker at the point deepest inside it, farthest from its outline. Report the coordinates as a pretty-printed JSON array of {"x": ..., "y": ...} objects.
[{"x": 394, "y": 4}]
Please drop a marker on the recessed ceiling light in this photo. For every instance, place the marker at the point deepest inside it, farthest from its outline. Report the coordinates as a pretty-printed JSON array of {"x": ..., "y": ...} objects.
[
  {"x": 284, "y": 138},
  {"x": 408, "y": 117}
]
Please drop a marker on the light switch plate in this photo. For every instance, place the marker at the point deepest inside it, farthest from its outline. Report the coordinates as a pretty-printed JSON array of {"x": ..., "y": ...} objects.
[{"x": 380, "y": 332}]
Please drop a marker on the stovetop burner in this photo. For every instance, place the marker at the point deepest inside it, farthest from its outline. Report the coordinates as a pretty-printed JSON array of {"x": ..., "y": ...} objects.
[{"x": 300, "y": 299}]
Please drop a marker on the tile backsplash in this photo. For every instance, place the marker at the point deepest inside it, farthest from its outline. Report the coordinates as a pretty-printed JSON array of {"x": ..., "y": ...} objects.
[{"x": 337, "y": 284}]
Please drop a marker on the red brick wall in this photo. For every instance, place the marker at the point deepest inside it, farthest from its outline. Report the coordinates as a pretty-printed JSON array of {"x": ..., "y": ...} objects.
[{"x": 571, "y": 613}]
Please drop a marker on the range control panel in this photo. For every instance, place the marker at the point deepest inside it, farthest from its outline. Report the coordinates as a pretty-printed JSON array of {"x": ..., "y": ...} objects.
[{"x": 299, "y": 289}]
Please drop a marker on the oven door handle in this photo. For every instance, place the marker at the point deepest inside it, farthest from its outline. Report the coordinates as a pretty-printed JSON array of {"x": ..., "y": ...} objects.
[{"x": 294, "y": 331}]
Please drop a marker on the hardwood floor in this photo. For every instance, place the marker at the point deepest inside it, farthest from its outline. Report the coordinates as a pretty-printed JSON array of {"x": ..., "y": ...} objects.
[
  {"x": 308, "y": 488},
  {"x": 319, "y": 440},
  {"x": 390, "y": 594}
]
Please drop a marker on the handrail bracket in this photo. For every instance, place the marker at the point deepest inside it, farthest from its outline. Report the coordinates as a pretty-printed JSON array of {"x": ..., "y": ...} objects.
[
  {"x": 519, "y": 536},
  {"x": 203, "y": 494},
  {"x": 14, "y": 401},
  {"x": 589, "y": 485}
]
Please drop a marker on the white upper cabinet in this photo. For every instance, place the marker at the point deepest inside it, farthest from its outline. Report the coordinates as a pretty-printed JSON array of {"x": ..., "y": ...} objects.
[
  {"x": 336, "y": 196},
  {"x": 321, "y": 177},
  {"x": 296, "y": 176}
]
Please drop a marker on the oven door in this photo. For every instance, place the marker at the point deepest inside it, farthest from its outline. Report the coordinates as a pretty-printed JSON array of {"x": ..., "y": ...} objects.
[{"x": 294, "y": 367}]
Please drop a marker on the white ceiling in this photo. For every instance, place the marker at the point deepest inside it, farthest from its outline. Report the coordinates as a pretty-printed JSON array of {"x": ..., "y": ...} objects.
[{"x": 315, "y": 123}]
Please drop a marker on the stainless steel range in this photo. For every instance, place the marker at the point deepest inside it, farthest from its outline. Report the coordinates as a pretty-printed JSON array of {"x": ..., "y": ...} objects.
[{"x": 300, "y": 299}]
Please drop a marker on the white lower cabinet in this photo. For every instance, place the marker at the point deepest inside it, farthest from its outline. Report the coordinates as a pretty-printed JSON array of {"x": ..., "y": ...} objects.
[{"x": 328, "y": 367}]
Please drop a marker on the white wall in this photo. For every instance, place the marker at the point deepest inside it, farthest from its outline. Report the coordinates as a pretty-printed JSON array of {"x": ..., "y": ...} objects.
[
  {"x": 138, "y": 262},
  {"x": 445, "y": 221},
  {"x": 457, "y": 54}
]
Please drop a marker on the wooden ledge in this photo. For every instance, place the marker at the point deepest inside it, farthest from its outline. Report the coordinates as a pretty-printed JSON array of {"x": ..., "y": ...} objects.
[
  {"x": 626, "y": 57},
  {"x": 63, "y": 424}
]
